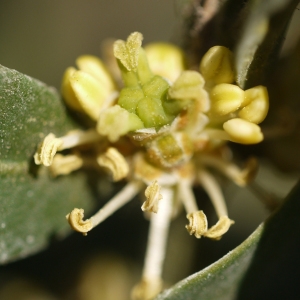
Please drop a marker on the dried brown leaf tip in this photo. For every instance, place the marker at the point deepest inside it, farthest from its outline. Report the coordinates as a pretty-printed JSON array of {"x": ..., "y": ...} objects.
[{"x": 163, "y": 132}]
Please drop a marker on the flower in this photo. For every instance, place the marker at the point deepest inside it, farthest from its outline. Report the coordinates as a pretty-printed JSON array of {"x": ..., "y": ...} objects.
[{"x": 161, "y": 132}]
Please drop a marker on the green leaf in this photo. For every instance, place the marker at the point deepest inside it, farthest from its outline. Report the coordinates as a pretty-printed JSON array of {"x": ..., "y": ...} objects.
[
  {"x": 254, "y": 30},
  {"x": 221, "y": 279},
  {"x": 258, "y": 262},
  {"x": 263, "y": 29},
  {"x": 33, "y": 205}
]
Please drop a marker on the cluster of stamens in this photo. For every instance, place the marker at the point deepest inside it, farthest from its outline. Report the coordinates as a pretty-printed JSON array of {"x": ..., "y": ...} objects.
[{"x": 176, "y": 122}]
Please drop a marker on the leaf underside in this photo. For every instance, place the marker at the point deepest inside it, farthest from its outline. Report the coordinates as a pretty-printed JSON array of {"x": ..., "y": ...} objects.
[{"x": 33, "y": 205}]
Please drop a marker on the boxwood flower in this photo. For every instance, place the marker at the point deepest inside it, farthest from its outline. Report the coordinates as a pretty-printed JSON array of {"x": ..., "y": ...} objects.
[{"x": 162, "y": 132}]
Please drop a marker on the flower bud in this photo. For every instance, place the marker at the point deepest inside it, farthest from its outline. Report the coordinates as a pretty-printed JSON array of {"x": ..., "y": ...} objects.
[
  {"x": 226, "y": 98},
  {"x": 243, "y": 132},
  {"x": 217, "y": 65},
  {"x": 257, "y": 107},
  {"x": 165, "y": 60}
]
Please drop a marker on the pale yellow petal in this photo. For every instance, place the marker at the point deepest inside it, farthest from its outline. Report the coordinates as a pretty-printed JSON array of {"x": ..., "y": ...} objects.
[
  {"x": 165, "y": 60},
  {"x": 68, "y": 92},
  {"x": 95, "y": 67},
  {"x": 90, "y": 94}
]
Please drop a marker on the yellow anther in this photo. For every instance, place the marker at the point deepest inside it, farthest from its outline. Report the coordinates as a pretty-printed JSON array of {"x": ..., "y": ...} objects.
[
  {"x": 165, "y": 60},
  {"x": 95, "y": 67},
  {"x": 114, "y": 161},
  {"x": 75, "y": 219},
  {"x": 216, "y": 232},
  {"x": 198, "y": 223},
  {"x": 217, "y": 65},
  {"x": 65, "y": 164},
  {"x": 47, "y": 150},
  {"x": 226, "y": 98},
  {"x": 257, "y": 105},
  {"x": 153, "y": 196},
  {"x": 243, "y": 132}
]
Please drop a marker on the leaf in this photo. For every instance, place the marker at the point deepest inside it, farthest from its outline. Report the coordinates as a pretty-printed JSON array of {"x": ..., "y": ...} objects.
[
  {"x": 33, "y": 205},
  {"x": 261, "y": 261},
  {"x": 254, "y": 30},
  {"x": 221, "y": 279},
  {"x": 263, "y": 30}
]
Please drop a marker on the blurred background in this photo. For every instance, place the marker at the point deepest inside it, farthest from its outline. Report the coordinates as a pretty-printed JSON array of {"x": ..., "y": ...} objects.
[{"x": 42, "y": 39}]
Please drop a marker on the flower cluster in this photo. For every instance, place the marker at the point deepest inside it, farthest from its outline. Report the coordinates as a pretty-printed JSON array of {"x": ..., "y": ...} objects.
[{"x": 162, "y": 132}]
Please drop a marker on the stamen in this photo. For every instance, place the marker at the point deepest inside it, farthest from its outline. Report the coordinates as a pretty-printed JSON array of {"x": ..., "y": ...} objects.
[
  {"x": 113, "y": 160},
  {"x": 75, "y": 219},
  {"x": 215, "y": 232},
  {"x": 47, "y": 150},
  {"x": 198, "y": 223},
  {"x": 51, "y": 144},
  {"x": 213, "y": 190},
  {"x": 153, "y": 196},
  {"x": 187, "y": 196},
  {"x": 79, "y": 137},
  {"x": 120, "y": 199},
  {"x": 197, "y": 218},
  {"x": 151, "y": 282},
  {"x": 65, "y": 164},
  {"x": 240, "y": 177}
]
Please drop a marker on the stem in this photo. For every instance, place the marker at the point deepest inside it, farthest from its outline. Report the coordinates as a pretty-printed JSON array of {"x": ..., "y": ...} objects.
[
  {"x": 120, "y": 199},
  {"x": 157, "y": 238},
  {"x": 79, "y": 137},
  {"x": 214, "y": 192},
  {"x": 228, "y": 169},
  {"x": 187, "y": 196}
]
